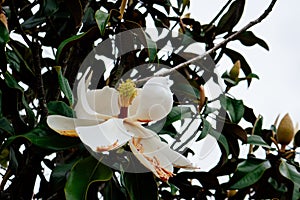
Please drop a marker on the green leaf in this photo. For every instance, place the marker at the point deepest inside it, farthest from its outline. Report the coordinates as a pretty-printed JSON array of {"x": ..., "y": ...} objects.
[
  {"x": 4, "y": 34},
  {"x": 33, "y": 22},
  {"x": 178, "y": 113},
  {"x": 205, "y": 130},
  {"x": 248, "y": 172},
  {"x": 248, "y": 38},
  {"x": 83, "y": 173},
  {"x": 102, "y": 20},
  {"x": 208, "y": 129},
  {"x": 13, "y": 60},
  {"x": 257, "y": 140},
  {"x": 25, "y": 55},
  {"x": 64, "y": 86},
  {"x": 60, "y": 108},
  {"x": 59, "y": 175},
  {"x": 141, "y": 186},
  {"x": 45, "y": 138},
  {"x": 5, "y": 126},
  {"x": 234, "y": 107},
  {"x": 235, "y": 56},
  {"x": 231, "y": 17},
  {"x": 221, "y": 139},
  {"x": 289, "y": 171},
  {"x": 69, "y": 42}
]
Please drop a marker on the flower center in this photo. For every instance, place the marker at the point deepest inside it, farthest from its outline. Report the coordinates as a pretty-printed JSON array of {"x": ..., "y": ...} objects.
[{"x": 127, "y": 92}]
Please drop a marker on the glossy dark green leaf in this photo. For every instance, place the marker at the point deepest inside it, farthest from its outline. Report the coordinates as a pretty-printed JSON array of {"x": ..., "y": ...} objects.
[
  {"x": 23, "y": 53},
  {"x": 69, "y": 42},
  {"x": 205, "y": 130},
  {"x": 5, "y": 126},
  {"x": 221, "y": 139},
  {"x": 141, "y": 186},
  {"x": 248, "y": 173},
  {"x": 248, "y": 38},
  {"x": 235, "y": 56},
  {"x": 257, "y": 140},
  {"x": 277, "y": 186},
  {"x": 64, "y": 86},
  {"x": 83, "y": 173},
  {"x": 59, "y": 175},
  {"x": 112, "y": 190},
  {"x": 44, "y": 137},
  {"x": 231, "y": 17},
  {"x": 33, "y": 22},
  {"x": 178, "y": 113},
  {"x": 13, "y": 60},
  {"x": 4, "y": 34},
  {"x": 289, "y": 171},
  {"x": 102, "y": 19},
  {"x": 234, "y": 107}
]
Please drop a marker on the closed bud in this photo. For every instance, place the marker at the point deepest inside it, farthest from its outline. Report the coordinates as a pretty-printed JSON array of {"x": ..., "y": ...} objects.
[
  {"x": 235, "y": 71},
  {"x": 285, "y": 130}
]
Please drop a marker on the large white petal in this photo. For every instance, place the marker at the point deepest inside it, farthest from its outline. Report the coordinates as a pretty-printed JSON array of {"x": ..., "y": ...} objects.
[
  {"x": 156, "y": 100},
  {"x": 132, "y": 109},
  {"x": 106, "y": 136},
  {"x": 82, "y": 107},
  {"x": 66, "y": 125},
  {"x": 104, "y": 101}
]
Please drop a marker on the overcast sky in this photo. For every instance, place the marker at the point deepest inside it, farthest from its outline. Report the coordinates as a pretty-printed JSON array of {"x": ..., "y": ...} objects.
[{"x": 277, "y": 91}]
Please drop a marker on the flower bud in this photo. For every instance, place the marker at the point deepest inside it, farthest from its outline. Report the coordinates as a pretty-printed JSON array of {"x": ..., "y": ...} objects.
[{"x": 285, "y": 130}]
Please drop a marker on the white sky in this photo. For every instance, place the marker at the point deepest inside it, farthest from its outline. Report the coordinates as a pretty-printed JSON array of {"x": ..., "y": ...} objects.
[{"x": 277, "y": 90}]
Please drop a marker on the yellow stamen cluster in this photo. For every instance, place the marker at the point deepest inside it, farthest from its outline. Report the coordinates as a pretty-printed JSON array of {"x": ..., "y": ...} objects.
[{"x": 127, "y": 92}]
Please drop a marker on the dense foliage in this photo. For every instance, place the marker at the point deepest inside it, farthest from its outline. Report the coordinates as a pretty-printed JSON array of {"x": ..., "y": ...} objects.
[{"x": 43, "y": 45}]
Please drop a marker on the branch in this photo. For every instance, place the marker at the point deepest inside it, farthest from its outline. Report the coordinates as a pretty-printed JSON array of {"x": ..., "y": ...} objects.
[{"x": 215, "y": 48}]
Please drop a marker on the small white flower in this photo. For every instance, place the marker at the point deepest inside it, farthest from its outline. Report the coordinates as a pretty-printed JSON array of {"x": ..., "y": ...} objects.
[{"x": 108, "y": 118}]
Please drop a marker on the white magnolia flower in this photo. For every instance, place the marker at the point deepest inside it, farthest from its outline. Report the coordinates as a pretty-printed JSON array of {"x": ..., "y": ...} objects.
[{"x": 108, "y": 118}]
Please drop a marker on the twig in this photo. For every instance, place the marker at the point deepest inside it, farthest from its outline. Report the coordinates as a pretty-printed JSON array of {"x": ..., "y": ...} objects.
[
  {"x": 39, "y": 81},
  {"x": 215, "y": 48}
]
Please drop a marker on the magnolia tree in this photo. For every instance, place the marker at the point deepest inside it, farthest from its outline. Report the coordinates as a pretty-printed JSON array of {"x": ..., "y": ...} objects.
[{"x": 123, "y": 100}]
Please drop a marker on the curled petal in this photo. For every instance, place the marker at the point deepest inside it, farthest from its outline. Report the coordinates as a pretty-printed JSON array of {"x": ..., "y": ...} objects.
[
  {"x": 154, "y": 154},
  {"x": 149, "y": 154},
  {"x": 104, "y": 101},
  {"x": 82, "y": 107},
  {"x": 66, "y": 126},
  {"x": 106, "y": 136},
  {"x": 156, "y": 100}
]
